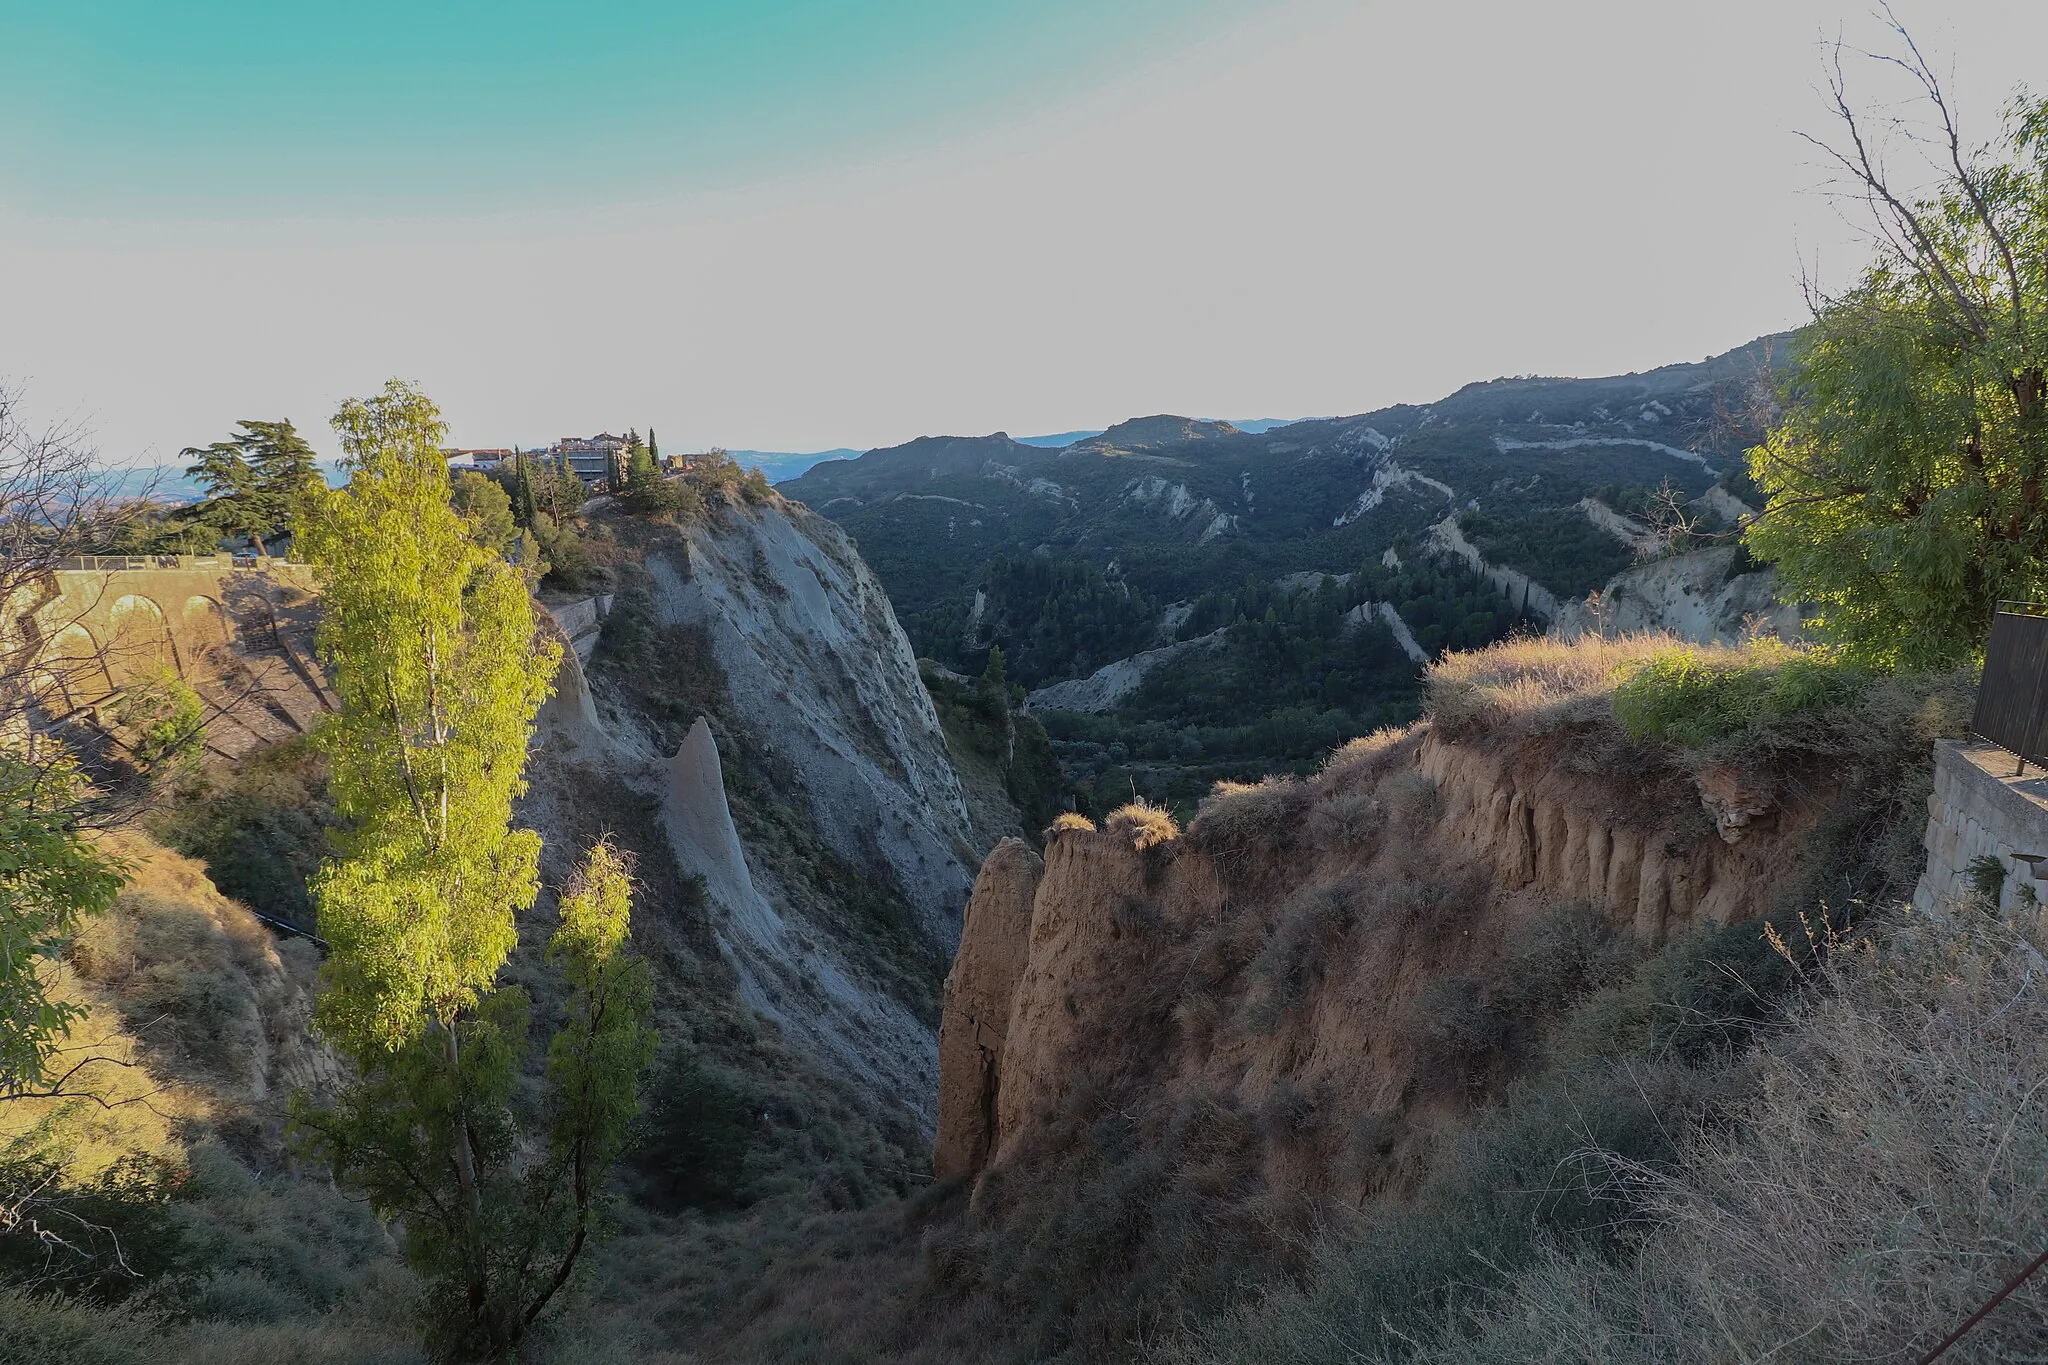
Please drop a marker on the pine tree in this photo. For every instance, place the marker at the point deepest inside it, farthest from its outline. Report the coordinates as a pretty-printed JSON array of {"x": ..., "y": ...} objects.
[
  {"x": 653, "y": 449},
  {"x": 431, "y": 643},
  {"x": 252, "y": 479}
]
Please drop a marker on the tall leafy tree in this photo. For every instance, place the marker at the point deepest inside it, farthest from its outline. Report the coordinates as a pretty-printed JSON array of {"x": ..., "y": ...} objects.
[
  {"x": 1908, "y": 480},
  {"x": 646, "y": 491},
  {"x": 431, "y": 643}
]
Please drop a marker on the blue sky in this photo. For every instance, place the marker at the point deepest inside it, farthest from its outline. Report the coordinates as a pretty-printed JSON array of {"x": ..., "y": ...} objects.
[
  {"x": 222, "y": 108},
  {"x": 802, "y": 224}
]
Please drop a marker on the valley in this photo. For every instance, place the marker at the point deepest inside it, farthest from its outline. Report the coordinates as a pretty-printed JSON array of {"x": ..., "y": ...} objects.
[{"x": 1315, "y": 559}]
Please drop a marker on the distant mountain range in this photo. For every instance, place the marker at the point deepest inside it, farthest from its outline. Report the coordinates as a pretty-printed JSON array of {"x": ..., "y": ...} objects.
[
  {"x": 1175, "y": 507},
  {"x": 782, "y": 465}
]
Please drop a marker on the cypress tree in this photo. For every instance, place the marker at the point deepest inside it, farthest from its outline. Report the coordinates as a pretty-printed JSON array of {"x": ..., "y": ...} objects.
[{"x": 524, "y": 509}]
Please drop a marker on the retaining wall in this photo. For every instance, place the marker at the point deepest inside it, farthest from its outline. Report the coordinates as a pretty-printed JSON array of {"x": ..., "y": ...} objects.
[{"x": 1982, "y": 807}]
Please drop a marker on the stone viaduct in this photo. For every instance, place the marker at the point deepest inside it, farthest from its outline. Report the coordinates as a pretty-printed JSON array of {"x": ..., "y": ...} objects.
[{"x": 237, "y": 629}]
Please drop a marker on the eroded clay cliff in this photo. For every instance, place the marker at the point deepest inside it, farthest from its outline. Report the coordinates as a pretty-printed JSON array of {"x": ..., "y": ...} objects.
[
  {"x": 767, "y": 746},
  {"x": 1307, "y": 946}
]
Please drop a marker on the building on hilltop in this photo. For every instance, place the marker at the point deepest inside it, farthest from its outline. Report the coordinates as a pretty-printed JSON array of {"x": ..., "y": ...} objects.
[
  {"x": 590, "y": 457},
  {"x": 482, "y": 459}
]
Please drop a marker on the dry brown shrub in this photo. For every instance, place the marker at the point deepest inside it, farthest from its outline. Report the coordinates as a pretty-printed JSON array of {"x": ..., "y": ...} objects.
[
  {"x": 1144, "y": 824},
  {"x": 1362, "y": 761},
  {"x": 1886, "y": 1179},
  {"x": 1242, "y": 818}
]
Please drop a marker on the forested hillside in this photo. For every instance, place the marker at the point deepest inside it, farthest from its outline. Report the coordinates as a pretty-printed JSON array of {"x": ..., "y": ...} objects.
[{"x": 1165, "y": 529}]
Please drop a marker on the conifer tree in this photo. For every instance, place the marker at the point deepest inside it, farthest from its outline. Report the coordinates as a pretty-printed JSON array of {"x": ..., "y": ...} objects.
[
  {"x": 252, "y": 479},
  {"x": 524, "y": 510},
  {"x": 430, "y": 641}
]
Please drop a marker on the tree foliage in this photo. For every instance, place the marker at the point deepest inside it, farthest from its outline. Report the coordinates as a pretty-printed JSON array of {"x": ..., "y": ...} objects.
[
  {"x": 430, "y": 639},
  {"x": 483, "y": 501},
  {"x": 1908, "y": 481},
  {"x": 645, "y": 490},
  {"x": 252, "y": 481},
  {"x": 50, "y": 877},
  {"x": 54, "y": 503}
]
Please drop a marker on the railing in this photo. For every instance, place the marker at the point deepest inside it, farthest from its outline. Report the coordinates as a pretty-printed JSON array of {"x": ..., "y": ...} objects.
[
  {"x": 128, "y": 563},
  {"x": 2012, "y": 701}
]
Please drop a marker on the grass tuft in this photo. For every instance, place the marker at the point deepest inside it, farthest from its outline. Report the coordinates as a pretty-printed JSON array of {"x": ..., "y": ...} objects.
[{"x": 1144, "y": 824}]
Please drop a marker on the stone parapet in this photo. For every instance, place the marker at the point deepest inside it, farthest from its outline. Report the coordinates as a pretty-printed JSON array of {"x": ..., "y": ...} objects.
[{"x": 1982, "y": 807}]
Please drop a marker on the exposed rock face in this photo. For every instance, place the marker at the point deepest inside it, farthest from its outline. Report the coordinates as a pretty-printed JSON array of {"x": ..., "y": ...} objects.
[
  {"x": 994, "y": 947},
  {"x": 1108, "y": 685},
  {"x": 820, "y": 677},
  {"x": 1553, "y": 834},
  {"x": 1282, "y": 950},
  {"x": 824, "y": 676},
  {"x": 1695, "y": 596}
]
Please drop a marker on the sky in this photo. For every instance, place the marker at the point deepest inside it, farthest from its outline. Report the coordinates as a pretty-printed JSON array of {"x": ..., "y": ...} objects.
[{"x": 801, "y": 224}]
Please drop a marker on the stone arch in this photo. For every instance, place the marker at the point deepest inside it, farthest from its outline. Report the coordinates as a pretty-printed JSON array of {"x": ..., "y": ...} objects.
[
  {"x": 202, "y": 626},
  {"x": 139, "y": 637},
  {"x": 73, "y": 666}
]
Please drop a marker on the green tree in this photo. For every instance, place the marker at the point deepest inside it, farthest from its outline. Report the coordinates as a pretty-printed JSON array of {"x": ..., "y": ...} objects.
[
  {"x": 646, "y": 491},
  {"x": 430, "y": 639},
  {"x": 485, "y": 505},
  {"x": 524, "y": 509},
  {"x": 252, "y": 479},
  {"x": 50, "y": 878},
  {"x": 1907, "y": 483}
]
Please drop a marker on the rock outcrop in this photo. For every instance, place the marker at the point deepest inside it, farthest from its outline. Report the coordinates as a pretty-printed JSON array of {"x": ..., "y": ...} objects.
[
  {"x": 1703, "y": 596},
  {"x": 994, "y": 949},
  {"x": 1283, "y": 950},
  {"x": 1107, "y": 686},
  {"x": 1447, "y": 538},
  {"x": 808, "y": 677},
  {"x": 819, "y": 670}
]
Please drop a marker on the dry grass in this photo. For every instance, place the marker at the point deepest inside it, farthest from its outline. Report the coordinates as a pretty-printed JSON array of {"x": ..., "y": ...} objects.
[
  {"x": 1535, "y": 683},
  {"x": 1883, "y": 1175},
  {"x": 1144, "y": 824},
  {"x": 1068, "y": 822},
  {"x": 1240, "y": 819},
  {"x": 1891, "y": 1172}
]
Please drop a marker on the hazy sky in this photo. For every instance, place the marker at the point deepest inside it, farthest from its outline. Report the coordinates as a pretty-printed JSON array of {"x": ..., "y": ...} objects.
[{"x": 792, "y": 224}]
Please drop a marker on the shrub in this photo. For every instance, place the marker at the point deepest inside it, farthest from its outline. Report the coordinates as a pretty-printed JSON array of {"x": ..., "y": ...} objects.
[
  {"x": 1697, "y": 699},
  {"x": 1533, "y": 682},
  {"x": 260, "y": 826},
  {"x": 1311, "y": 923},
  {"x": 1242, "y": 818},
  {"x": 699, "y": 1123},
  {"x": 1144, "y": 824},
  {"x": 39, "y": 1330},
  {"x": 1069, "y": 822},
  {"x": 162, "y": 722},
  {"x": 1880, "y": 1183},
  {"x": 1986, "y": 876}
]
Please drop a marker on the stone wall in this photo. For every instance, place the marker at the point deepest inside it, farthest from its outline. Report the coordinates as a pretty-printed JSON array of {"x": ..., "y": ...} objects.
[{"x": 1982, "y": 807}]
